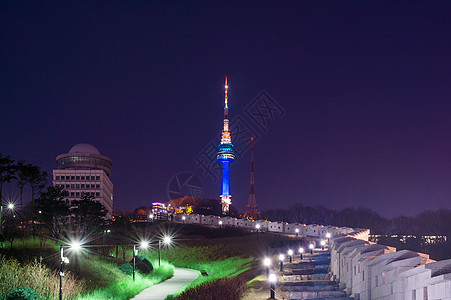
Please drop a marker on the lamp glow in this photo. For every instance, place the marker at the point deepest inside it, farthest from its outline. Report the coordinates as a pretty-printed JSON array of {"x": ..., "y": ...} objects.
[
  {"x": 323, "y": 243},
  {"x": 290, "y": 252},
  {"x": 301, "y": 250},
  {"x": 167, "y": 240},
  {"x": 310, "y": 246},
  {"x": 281, "y": 257},
  {"x": 220, "y": 222},
  {"x": 75, "y": 246},
  {"x": 144, "y": 245},
  {"x": 11, "y": 205},
  {"x": 272, "y": 277},
  {"x": 328, "y": 235},
  {"x": 257, "y": 226},
  {"x": 267, "y": 261}
]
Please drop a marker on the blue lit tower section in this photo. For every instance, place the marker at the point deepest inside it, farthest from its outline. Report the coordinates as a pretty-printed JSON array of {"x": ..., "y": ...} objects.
[{"x": 225, "y": 157}]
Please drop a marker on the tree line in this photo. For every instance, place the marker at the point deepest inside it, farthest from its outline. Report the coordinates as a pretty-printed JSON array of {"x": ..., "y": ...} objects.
[{"x": 426, "y": 223}]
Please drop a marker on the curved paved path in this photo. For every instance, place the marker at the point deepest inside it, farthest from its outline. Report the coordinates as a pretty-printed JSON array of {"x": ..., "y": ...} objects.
[{"x": 171, "y": 286}]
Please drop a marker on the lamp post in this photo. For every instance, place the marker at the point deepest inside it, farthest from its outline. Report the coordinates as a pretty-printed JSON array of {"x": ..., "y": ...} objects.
[
  {"x": 281, "y": 258},
  {"x": 272, "y": 280},
  {"x": 75, "y": 246},
  {"x": 323, "y": 243},
  {"x": 311, "y": 248},
  {"x": 183, "y": 219},
  {"x": 257, "y": 227},
  {"x": 297, "y": 231},
  {"x": 10, "y": 206},
  {"x": 328, "y": 235},
  {"x": 167, "y": 241},
  {"x": 301, "y": 250},
  {"x": 220, "y": 223},
  {"x": 290, "y": 254},
  {"x": 142, "y": 245},
  {"x": 267, "y": 263}
]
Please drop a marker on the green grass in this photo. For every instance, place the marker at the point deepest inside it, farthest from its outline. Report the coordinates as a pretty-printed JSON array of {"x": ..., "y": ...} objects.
[
  {"x": 126, "y": 288},
  {"x": 87, "y": 276}
]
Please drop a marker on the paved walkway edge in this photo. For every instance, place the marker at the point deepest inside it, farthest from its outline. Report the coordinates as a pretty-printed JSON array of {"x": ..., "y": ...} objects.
[{"x": 163, "y": 289}]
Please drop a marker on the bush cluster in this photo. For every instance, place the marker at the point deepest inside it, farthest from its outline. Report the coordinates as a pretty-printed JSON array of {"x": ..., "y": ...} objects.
[
  {"x": 143, "y": 265},
  {"x": 126, "y": 268},
  {"x": 24, "y": 293}
]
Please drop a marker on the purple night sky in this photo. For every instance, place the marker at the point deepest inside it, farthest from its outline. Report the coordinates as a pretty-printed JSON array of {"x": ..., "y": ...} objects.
[{"x": 366, "y": 89}]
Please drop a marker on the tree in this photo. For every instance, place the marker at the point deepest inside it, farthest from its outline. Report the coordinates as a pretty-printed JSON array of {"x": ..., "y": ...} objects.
[
  {"x": 88, "y": 215},
  {"x": 7, "y": 169},
  {"x": 37, "y": 179},
  {"x": 52, "y": 210},
  {"x": 22, "y": 171}
]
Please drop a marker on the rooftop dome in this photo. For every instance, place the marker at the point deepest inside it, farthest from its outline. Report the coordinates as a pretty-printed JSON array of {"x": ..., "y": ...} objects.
[{"x": 84, "y": 148}]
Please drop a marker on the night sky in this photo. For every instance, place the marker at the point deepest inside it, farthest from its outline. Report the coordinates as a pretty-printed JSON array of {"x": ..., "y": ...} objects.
[{"x": 365, "y": 89}]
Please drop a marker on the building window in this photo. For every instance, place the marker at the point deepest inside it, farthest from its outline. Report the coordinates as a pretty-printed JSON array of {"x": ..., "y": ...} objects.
[
  {"x": 72, "y": 178},
  {"x": 78, "y": 177},
  {"x": 93, "y": 186},
  {"x": 72, "y": 186},
  {"x": 67, "y": 186},
  {"x": 425, "y": 293},
  {"x": 72, "y": 194},
  {"x": 77, "y": 194},
  {"x": 383, "y": 278},
  {"x": 92, "y": 193},
  {"x": 82, "y": 177},
  {"x": 97, "y": 186},
  {"x": 82, "y": 186},
  {"x": 57, "y": 178},
  {"x": 97, "y": 194},
  {"x": 363, "y": 275},
  {"x": 77, "y": 186},
  {"x": 93, "y": 178},
  {"x": 414, "y": 295},
  {"x": 355, "y": 273},
  {"x": 97, "y": 177}
]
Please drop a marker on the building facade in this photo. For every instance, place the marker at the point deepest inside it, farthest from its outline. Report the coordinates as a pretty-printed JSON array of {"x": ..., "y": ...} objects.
[{"x": 85, "y": 171}]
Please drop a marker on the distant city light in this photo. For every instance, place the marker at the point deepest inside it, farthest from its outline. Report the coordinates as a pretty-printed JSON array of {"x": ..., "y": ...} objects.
[
  {"x": 310, "y": 246},
  {"x": 267, "y": 261},
  {"x": 290, "y": 252},
  {"x": 281, "y": 257},
  {"x": 301, "y": 250}
]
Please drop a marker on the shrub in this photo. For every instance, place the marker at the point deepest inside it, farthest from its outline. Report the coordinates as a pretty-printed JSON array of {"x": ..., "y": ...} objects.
[
  {"x": 24, "y": 293},
  {"x": 127, "y": 269},
  {"x": 143, "y": 264}
]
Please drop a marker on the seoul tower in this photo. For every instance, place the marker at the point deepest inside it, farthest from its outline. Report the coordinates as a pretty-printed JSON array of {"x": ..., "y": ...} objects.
[
  {"x": 251, "y": 207},
  {"x": 225, "y": 157}
]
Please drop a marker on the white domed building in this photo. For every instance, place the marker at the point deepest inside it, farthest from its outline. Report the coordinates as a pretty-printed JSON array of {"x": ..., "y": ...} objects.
[{"x": 85, "y": 171}]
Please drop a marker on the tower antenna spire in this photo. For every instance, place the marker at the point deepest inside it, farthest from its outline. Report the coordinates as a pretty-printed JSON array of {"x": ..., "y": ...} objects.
[
  {"x": 225, "y": 155},
  {"x": 252, "y": 211}
]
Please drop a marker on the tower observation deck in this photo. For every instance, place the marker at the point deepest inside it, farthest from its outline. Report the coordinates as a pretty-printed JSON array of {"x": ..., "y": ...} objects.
[{"x": 225, "y": 156}]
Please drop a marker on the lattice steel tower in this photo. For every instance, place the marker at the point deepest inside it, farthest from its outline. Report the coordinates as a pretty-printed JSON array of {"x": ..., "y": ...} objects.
[
  {"x": 251, "y": 207},
  {"x": 225, "y": 157}
]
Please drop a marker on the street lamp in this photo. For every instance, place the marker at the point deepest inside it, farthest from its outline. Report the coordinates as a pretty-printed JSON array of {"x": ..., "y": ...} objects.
[
  {"x": 167, "y": 241},
  {"x": 10, "y": 206},
  {"x": 290, "y": 254},
  {"x": 272, "y": 280},
  {"x": 311, "y": 248},
  {"x": 142, "y": 245},
  {"x": 267, "y": 263},
  {"x": 297, "y": 231},
  {"x": 328, "y": 235},
  {"x": 183, "y": 219},
  {"x": 281, "y": 258},
  {"x": 301, "y": 250},
  {"x": 257, "y": 227},
  {"x": 323, "y": 243},
  {"x": 74, "y": 246},
  {"x": 220, "y": 223}
]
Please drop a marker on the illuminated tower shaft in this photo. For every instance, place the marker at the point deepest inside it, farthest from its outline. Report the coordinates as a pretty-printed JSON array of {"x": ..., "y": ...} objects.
[
  {"x": 225, "y": 156},
  {"x": 251, "y": 207}
]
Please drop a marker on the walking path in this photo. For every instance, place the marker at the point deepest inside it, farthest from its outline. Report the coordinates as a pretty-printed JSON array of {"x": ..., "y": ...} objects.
[{"x": 169, "y": 287}]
